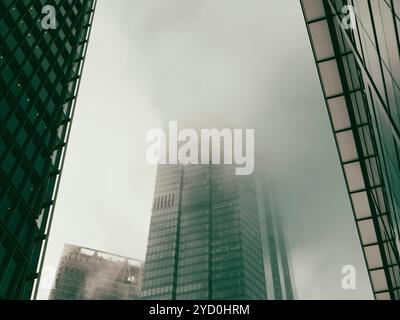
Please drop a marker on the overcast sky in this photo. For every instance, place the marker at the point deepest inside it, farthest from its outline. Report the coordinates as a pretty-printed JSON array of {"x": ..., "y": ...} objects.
[{"x": 205, "y": 63}]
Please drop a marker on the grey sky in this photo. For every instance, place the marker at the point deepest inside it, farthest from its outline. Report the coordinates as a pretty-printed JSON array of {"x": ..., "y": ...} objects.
[{"x": 205, "y": 63}]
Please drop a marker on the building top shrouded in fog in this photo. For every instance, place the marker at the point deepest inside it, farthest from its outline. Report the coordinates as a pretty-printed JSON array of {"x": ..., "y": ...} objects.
[
  {"x": 87, "y": 274},
  {"x": 204, "y": 241},
  {"x": 278, "y": 266},
  {"x": 356, "y": 48},
  {"x": 208, "y": 239}
]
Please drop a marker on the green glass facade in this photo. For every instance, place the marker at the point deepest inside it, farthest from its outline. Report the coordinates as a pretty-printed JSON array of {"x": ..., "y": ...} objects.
[
  {"x": 204, "y": 240},
  {"x": 359, "y": 68},
  {"x": 278, "y": 267},
  {"x": 40, "y": 72},
  {"x": 288, "y": 291}
]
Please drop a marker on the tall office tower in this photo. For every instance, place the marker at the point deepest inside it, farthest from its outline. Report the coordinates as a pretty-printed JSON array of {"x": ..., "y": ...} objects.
[
  {"x": 87, "y": 274},
  {"x": 356, "y": 48},
  {"x": 204, "y": 240},
  {"x": 40, "y": 72},
  {"x": 278, "y": 267},
  {"x": 286, "y": 267}
]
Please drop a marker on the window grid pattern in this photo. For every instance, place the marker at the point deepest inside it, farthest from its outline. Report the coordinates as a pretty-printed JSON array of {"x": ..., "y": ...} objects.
[
  {"x": 361, "y": 93},
  {"x": 207, "y": 244},
  {"x": 278, "y": 265},
  {"x": 39, "y": 78}
]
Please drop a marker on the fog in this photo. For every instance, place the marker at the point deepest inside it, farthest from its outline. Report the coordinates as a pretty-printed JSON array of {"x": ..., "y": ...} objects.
[{"x": 205, "y": 63}]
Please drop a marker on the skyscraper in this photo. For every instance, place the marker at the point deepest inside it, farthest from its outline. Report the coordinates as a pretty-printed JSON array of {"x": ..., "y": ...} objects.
[
  {"x": 278, "y": 267},
  {"x": 356, "y": 48},
  {"x": 205, "y": 221},
  {"x": 204, "y": 240},
  {"x": 42, "y": 49},
  {"x": 87, "y": 274}
]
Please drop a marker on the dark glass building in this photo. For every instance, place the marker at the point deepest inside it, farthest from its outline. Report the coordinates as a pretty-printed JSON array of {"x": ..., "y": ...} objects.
[
  {"x": 87, "y": 274},
  {"x": 208, "y": 238},
  {"x": 278, "y": 267},
  {"x": 358, "y": 62},
  {"x": 204, "y": 240},
  {"x": 40, "y": 70}
]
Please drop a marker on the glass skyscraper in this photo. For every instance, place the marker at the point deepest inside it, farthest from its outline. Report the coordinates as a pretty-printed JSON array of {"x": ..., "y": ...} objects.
[
  {"x": 87, "y": 274},
  {"x": 358, "y": 62},
  {"x": 40, "y": 70},
  {"x": 205, "y": 239},
  {"x": 278, "y": 267}
]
